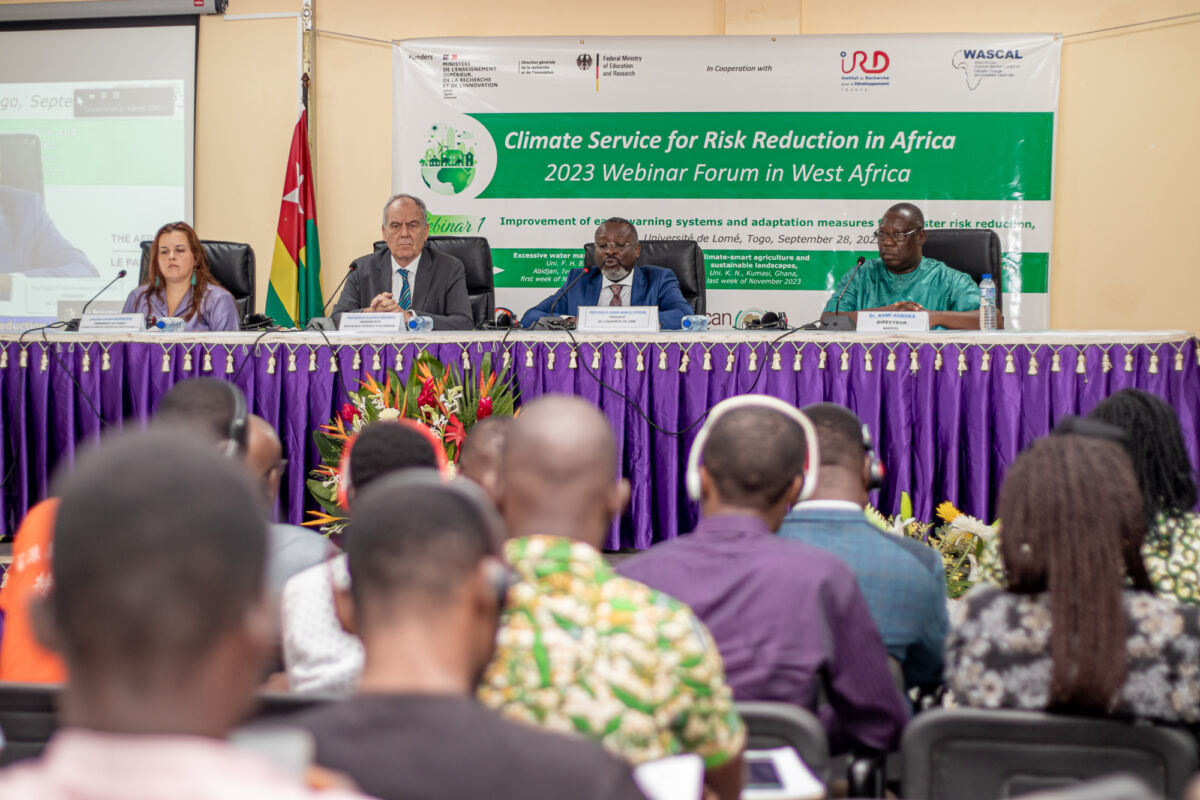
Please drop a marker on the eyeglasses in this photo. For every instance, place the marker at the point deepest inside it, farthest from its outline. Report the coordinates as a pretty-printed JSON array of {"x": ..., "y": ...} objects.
[
  {"x": 615, "y": 245},
  {"x": 881, "y": 236}
]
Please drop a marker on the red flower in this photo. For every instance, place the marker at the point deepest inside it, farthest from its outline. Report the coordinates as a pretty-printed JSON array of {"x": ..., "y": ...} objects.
[
  {"x": 349, "y": 413},
  {"x": 427, "y": 398},
  {"x": 485, "y": 408}
]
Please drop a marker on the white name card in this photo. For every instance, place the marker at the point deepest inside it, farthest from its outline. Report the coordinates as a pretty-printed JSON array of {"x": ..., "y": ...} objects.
[
  {"x": 360, "y": 322},
  {"x": 618, "y": 319},
  {"x": 112, "y": 323},
  {"x": 893, "y": 321}
]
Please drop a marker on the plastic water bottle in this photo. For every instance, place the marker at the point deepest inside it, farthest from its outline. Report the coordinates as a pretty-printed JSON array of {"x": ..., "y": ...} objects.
[
  {"x": 170, "y": 324},
  {"x": 987, "y": 303},
  {"x": 420, "y": 324},
  {"x": 695, "y": 323}
]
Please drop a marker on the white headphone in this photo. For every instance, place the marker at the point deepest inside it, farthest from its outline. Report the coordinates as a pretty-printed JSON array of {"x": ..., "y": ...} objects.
[{"x": 812, "y": 456}]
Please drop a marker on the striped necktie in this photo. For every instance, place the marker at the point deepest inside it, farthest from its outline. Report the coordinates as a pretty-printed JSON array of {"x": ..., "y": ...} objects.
[
  {"x": 616, "y": 295},
  {"x": 405, "y": 299}
]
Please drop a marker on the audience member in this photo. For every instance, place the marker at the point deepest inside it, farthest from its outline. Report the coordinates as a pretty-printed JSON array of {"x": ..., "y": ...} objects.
[
  {"x": 1154, "y": 442},
  {"x": 179, "y": 283},
  {"x": 321, "y": 657},
  {"x": 580, "y": 648},
  {"x": 903, "y": 581},
  {"x": 427, "y": 589},
  {"x": 159, "y": 612},
  {"x": 1079, "y": 629},
  {"x": 293, "y": 548},
  {"x": 22, "y": 656},
  {"x": 481, "y": 453},
  {"x": 788, "y": 618},
  {"x": 408, "y": 277}
]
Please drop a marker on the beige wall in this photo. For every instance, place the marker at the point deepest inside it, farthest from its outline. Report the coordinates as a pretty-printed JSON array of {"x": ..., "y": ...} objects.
[{"x": 1125, "y": 203}]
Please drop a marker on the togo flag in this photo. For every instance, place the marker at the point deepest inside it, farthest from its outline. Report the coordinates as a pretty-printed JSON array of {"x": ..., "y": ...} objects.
[{"x": 294, "y": 296}]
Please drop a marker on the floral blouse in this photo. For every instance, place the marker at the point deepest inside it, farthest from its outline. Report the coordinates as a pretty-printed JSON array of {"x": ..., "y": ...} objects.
[
  {"x": 999, "y": 656},
  {"x": 1171, "y": 554},
  {"x": 584, "y": 650}
]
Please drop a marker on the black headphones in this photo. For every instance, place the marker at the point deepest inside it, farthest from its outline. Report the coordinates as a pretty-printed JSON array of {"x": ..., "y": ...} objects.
[
  {"x": 236, "y": 435},
  {"x": 875, "y": 470}
]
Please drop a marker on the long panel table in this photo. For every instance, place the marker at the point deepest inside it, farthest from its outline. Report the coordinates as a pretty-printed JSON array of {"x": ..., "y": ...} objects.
[{"x": 948, "y": 411}]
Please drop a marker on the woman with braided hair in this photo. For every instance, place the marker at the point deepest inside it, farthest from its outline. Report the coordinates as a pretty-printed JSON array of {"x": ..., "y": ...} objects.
[{"x": 1079, "y": 628}]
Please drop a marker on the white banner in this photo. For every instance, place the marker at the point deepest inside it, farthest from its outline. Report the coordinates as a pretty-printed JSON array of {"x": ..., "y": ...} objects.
[{"x": 777, "y": 155}]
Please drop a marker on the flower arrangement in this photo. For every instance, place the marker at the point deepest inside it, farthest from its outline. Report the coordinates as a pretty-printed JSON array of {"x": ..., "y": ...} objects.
[
  {"x": 959, "y": 540},
  {"x": 436, "y": 396}
]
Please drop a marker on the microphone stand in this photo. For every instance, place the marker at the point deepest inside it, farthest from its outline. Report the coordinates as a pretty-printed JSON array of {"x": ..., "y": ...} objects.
[
  {"x": 73, "y": 325},
  {"x": 552, "y": 322},
  {"x": 835, "y": 321},
  {"x": 323, "y": 322}
]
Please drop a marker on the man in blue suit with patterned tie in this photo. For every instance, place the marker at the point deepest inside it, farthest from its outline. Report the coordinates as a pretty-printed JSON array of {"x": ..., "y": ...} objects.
[{"x": 617, "y": 282}]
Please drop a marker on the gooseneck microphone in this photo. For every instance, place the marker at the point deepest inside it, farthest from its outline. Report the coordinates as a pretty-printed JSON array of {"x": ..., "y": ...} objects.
[
  {"x": 73, "y": 325},
  {"x": 563, "y": 292},
  {"x": 323, "y": 322},
  {"x": 838, "y": 305}
]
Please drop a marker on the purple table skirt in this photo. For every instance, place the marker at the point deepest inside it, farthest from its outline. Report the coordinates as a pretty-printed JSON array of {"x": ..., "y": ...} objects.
[{"x": 948, "y": 414}]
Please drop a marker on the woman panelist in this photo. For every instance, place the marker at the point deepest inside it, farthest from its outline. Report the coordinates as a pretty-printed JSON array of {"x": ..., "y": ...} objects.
[{"x": 180, "y": 284}]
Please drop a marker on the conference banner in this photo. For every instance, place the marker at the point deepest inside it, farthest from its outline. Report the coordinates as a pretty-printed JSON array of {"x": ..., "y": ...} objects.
[{"x": 777, "y": 155}]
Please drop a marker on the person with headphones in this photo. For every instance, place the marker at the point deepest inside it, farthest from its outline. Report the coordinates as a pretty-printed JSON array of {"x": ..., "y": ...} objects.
[
  {"x": 903, "y": 581},
  {"x": 427, "y": 590},
  {"x": 789, "y": 619}
]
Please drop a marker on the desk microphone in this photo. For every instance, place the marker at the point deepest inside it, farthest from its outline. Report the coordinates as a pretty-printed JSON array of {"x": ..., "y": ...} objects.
[
  {"x": 838, "y": 305},
  {"x": 563, "y": 292},
  {"x": 323, "y": 322},
  {"x": 835, "y": 322},
  {"x": 73, "y": 325}
]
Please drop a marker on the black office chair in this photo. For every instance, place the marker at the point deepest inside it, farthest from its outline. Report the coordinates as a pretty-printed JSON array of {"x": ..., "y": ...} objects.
[
  {"x": 682, "y": 256},
  {"x": 28, "y": 718},
  {"x": 771, "y": 725},
  {"x": 975, "y": 251},
  {"x": 476, "y": 254},
  {"x": 949, "y": 754},
  {"x": 21, "y": 162},
  {"x": 232, "y": 264}
]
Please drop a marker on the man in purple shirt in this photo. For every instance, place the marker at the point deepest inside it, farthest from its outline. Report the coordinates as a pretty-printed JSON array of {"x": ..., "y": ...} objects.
[{"x": 788, "y": 618}]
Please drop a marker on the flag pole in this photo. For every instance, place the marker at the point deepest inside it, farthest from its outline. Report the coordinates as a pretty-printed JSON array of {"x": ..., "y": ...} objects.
[{"x": 308, "y": 58}]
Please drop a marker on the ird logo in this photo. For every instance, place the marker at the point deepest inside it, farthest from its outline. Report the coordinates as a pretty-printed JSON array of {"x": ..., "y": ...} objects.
[{"x": 879, "y": 62}]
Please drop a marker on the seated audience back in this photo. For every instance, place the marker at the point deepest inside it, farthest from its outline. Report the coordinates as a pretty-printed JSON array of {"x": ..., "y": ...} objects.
[
  {"x": 788, "y": 618},
  {"x": 427, "y": 588},
  {"x": 1079, "y": 629},
  {"x": 320, "y": 657},
  {"x": 160, "y": 614},
  {"x": 903, "y": 581},
  {"x": 580, "y": 648}
]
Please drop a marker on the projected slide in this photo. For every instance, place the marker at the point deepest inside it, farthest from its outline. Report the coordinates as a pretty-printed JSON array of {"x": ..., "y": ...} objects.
[{"x": 96, "y": 143}]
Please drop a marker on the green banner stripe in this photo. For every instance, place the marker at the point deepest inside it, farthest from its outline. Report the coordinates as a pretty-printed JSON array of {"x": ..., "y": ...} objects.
[
  {"x": 842, "y": 155},
  {"x": 786, "y": 270},
  {"x": 109, "y": 152}
]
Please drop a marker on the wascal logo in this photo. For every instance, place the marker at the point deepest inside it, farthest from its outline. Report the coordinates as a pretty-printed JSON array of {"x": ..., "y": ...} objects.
[{"x": 994, "y": 54}]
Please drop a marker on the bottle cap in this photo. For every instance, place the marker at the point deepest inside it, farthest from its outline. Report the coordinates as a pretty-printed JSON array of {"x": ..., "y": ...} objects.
[{"x": 987, "y": 276}]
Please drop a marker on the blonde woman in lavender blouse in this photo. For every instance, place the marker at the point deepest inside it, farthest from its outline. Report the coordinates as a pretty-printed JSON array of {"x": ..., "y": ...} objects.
[{"x": 180, "y": 284}]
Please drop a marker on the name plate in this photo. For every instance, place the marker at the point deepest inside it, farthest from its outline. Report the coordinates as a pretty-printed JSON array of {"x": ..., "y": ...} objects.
[
  {"x": 893, "y": 321},
  {"x": 112, "y": 323},
  {"x": 618, "y": 319},
  {"x": 372, "y": 323}
]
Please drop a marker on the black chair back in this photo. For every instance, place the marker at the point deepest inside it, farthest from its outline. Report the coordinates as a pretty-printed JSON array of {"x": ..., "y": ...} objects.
[
  {"x": 232, "y": 264},
  {"x": 975, "y": 251},
  {"x": 771, "y": 725},
  {"x": 682, "y": 256},
  {"x": 21, "y": 162},
  {"x": 988, "y": 754},
  {"x": 28, "y": 718},
  {"x": 476, "y": 254}
]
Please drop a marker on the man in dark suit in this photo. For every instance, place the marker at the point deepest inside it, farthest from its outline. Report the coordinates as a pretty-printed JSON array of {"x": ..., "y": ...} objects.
[
  {"x": 29, "y": 242},
  {"x": 618, "y": 282},
  {"x": 408, "y": 277}
]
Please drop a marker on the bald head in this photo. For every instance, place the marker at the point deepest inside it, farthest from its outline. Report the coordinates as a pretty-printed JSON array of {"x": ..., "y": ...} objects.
[
  {"x": 907, "y": 211},
  {"x": 558, "y": 472},
  {"x": 264, "y": 456}
]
